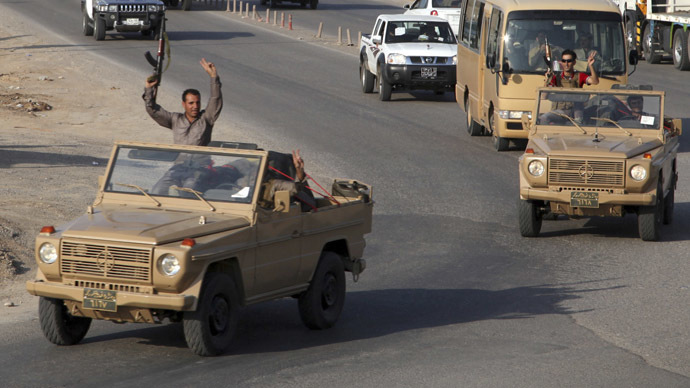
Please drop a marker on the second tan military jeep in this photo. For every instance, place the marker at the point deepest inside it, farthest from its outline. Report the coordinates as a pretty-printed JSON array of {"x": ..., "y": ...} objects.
[
  {"x": 191, "y": 234},
  {"x": 599, "y": 153}
]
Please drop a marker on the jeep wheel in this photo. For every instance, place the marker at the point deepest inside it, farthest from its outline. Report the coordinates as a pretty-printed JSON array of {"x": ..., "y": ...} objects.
[
  {"x": 649, "y": 217},
  {"x": 58, "y": 325},
  {"x": 648, "y": 47},
  {"x": 320, "y": 306},
  {"x": 473, "y": 128},
  {"x": 385, "y": 88},
  {"x": 99, "y": 28},
  {"x": 209, "y": 330},
  {"x": 529, "y": 217},
  {"x": 186, "y": 5},
  {"x": 367, "y": 78},
  {"x": 669, "y": 201},
  {"x": 86, "y": 26},
  {"x": 313, "y": 4}
]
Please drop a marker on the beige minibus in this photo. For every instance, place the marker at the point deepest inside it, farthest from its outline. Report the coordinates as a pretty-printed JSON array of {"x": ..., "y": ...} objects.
[{"x": 502, "y": 56}]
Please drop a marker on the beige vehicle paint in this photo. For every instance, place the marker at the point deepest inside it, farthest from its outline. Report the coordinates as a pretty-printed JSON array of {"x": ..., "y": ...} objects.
[
  {"x": 111, "y": 262},
  {"x": 601, "y": 160}
]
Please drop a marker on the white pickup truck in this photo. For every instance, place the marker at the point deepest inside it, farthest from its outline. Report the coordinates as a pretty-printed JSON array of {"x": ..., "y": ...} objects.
[{"x": 408, "y": 52}]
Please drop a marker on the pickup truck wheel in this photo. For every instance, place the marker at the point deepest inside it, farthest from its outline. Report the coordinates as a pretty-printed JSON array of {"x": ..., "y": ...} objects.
[
  {"x": 529, "y": 217},
  {"x": 669, "y": 202},
  {"x": 313, "y": 4},
  {"x": 186, "y": 5},
  {"x": 367, "y": 78},
  {"x": 680, "y": 50},
  {"x": 385, "y": 88},
  {"x": 58, "y": 325},
  {"x": 320, "y": 306},
  {"x": 99, "y": 28},
  {"x": 209, "y": 330},
  {"x": 649, "y": 217},
  {"x": 86, "y": 26},
  {"x": 648, "y": 47},
  {"x": 473, "y": 128}
]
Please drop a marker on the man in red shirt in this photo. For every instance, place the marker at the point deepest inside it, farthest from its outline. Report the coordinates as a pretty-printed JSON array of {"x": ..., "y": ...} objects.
[{"x": 569, "y": 78}]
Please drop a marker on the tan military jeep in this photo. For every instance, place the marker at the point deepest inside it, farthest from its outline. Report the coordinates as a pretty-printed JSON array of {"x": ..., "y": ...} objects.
[
  {"x": 193, "y": 233},
  {"x": 599, "y": 153}
]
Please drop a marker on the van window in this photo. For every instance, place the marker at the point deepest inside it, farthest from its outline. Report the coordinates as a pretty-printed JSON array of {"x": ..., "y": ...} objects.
[
  {"x": 472, "y": 24},
  {"x": 492, "y": 43},
  {"x": 581, "y": 31}
]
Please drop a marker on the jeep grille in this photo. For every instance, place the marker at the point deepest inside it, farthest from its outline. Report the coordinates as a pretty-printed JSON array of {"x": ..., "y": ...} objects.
[
  {"x": 132, "y": 8},
  {"x": 586, "y": 172},
  {"x": 106, "y": 261}
]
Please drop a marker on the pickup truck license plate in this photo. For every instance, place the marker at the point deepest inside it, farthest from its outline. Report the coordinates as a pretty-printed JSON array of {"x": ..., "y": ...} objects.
[
  {"x": 584, "y": 199},
  {"x": 132, "y": 22},
  {"x": 428, "y": 72},
  {"x": 95, "y": 299}
]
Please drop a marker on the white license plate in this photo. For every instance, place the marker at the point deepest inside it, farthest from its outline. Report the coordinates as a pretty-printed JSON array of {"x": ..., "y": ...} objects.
[
  {"x": 132, "y": 22},
  {"x": 428, "y": 72}
]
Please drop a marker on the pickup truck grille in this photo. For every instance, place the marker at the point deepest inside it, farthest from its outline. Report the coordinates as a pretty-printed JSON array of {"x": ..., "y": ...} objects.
[
  {"x": 586, "y": 172},
  {"x": 132, "y": 7},
  {"x": 431, "y": 60},
  {"x": 105, "y": 261}
]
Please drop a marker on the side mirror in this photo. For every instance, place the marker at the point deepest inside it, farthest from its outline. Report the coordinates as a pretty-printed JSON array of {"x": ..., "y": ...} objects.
[
  {"x": 406, "y": 6},
  {"x": 632, "y": 57},
  {"x": 376, "y": 39},
  {"x": 282, "y": 201}
]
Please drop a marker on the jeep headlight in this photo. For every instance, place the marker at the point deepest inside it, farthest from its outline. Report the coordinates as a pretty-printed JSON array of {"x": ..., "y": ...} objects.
[
  {"x": 397, "y": 59},
  {"x": 112, "y": 8},
  {"x": 153, "y": 8},
  {"x": 169, "y": 265},
  {"x": 536, "y": 168},
  {"x": 47, "y": 253},
  {"x": 638, "y": 173}
]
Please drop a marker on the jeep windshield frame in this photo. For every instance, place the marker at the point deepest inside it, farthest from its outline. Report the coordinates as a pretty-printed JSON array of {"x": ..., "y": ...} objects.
[
  {"x": 607, "y": 111},
  {"x": 217, "y": 174}
]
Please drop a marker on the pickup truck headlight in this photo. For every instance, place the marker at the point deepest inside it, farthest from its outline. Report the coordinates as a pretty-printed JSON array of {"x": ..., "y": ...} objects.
[
  {"x": 638, "y": 173},
  {"x": 169, "y": 265},
  {"x": 536, "y": 168},
  {"x": 397, "y": 59},
  {"x": 47, "y": 253}
]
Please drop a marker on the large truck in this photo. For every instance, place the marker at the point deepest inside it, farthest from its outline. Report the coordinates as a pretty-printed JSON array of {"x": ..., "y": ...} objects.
[{"x": 658, "y": 28}]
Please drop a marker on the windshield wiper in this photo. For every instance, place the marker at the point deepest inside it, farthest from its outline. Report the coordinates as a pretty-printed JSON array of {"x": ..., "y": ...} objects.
[
  {"x": 197, "y": 193},
  {"x": 612, "y": 122},
  {"x": 140, "y": 189},
  {"x": 571, "y": 120}
]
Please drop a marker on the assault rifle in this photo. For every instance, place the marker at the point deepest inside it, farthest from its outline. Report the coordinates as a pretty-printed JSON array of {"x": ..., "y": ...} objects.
[{"x": 163, "y": 47}]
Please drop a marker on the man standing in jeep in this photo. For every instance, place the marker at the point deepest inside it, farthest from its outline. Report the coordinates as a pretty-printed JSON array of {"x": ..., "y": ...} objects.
[{"x": 194, "y": 126}]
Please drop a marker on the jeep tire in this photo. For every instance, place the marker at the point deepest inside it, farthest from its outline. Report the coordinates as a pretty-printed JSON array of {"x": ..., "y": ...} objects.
[
  {"x": 209, "y": 330},
  {"x": 321, "y": 304},
  {"x": 649, "y": 218},
  {"x": 529, "y": 217},
  {"x": 86, "y": 26},
  {"x": 58, "y": 326}
]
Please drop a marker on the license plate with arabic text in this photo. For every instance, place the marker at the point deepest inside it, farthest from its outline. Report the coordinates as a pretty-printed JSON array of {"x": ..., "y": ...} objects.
[
  {"x": 584, "y": 199},
  {"x": 428, "y": 72},
  {"x": 95, "y": 299}
]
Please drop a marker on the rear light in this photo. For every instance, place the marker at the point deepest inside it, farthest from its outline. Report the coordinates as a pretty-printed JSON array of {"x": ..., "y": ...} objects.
[
  {"x": 47, "y": 230},
  {"x": 434, "y": 12}
]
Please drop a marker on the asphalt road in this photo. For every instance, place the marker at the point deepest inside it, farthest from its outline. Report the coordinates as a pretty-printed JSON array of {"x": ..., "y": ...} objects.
[{"x": 452, "y": 296}]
